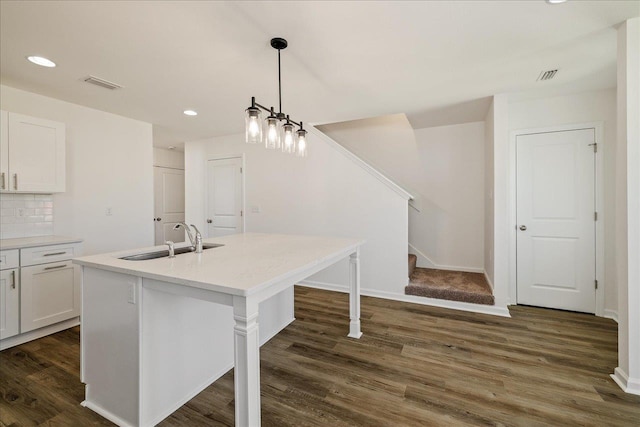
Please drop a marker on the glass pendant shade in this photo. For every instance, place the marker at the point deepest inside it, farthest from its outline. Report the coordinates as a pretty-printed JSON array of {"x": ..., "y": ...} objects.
[
  {"x": 301, "y": 144},
  {"x": 288, "y": 140},
  {"x": 253, "y": 126},
  {"x": 272, "y": 137}
]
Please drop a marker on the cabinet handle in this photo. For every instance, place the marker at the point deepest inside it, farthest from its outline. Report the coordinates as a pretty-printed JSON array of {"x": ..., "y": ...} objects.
[
  {"x": 3, "y": 183},
  {"x": 54, "y": 253},
  {"x": 55, "y": 267},
  {"x": 15, "y": 181},
  {"x": 13, "y": 280}
]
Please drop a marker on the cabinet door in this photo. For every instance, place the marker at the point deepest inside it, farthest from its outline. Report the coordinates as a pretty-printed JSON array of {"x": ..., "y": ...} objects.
[
  {"x": 36, "y": 155},
  {"x": 9, "y": 303},
  {"x": 49, "y": 293},
  {"x": 4, "y": 151}
]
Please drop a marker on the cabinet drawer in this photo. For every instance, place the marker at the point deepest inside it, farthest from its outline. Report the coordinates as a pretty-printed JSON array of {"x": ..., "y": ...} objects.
[
  {"x": 46, "y": 254},
  {"x": 49, "y": 293},
  {"x": 9, "y": 259},
  {"x": 9, "y": 303}
]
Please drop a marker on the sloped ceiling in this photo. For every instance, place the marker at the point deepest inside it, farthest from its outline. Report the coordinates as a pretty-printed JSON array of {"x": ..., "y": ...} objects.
[{"x": 345, "y": 61}]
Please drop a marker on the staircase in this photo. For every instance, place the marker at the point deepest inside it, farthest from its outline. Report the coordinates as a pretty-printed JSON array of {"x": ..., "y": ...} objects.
[{"x": 449, "y": 285}]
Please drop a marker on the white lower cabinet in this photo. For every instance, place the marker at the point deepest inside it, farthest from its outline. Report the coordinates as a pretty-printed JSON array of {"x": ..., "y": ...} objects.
[
  {"x": 50, "y": 293},
  {"x": 39, "y": 292},
  {"x": 9, "y": 303}
]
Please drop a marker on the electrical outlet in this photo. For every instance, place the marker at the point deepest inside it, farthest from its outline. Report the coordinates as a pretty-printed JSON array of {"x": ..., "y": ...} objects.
[
  {"x": 132, "y": 293},
  {"x": 255, "y": 209},
  {"x": 108, "y": 212}
]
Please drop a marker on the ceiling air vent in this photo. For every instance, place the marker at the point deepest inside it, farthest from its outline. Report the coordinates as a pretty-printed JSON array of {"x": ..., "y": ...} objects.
[
  {"x": 102, "y": 83},
  {"x": 547, "y": 75}
]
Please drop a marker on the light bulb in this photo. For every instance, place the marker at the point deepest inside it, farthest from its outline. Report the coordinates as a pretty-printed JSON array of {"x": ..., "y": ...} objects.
[
  {"x": 288, "y": 142},
  {"x": 272, "y": 133},
  {"x": 301, "y": 149},
  {"x": 253, "y": 128}
]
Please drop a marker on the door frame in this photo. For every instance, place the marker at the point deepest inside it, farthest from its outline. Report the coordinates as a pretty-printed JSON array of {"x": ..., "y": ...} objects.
[
  {"x": 599, "y": 205},
  {"x": 242, "y": 184}
]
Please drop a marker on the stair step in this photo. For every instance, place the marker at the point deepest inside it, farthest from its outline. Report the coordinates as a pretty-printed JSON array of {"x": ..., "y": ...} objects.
[
  {"x": 450, "y": 285},
  {"x": 412, "y": 263}
]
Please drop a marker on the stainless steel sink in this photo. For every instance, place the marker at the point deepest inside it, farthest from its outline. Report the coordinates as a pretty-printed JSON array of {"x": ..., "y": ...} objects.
[{"x": 165, "y": 253}]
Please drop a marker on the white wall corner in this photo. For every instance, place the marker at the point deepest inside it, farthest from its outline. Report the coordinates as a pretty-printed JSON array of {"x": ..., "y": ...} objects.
[
  {"x": 486, "y": 276},
  {"x": 611, "y": 314}
]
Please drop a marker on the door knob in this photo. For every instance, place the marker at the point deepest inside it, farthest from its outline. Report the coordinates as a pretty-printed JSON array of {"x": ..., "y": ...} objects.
[
  {"x": 157, "y": 219},
  {"x": 209, "y": 221},
  {"x": 523, "y": 227}
]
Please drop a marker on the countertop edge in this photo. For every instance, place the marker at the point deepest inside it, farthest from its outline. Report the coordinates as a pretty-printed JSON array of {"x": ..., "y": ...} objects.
[{"x": 60, "y": 240}]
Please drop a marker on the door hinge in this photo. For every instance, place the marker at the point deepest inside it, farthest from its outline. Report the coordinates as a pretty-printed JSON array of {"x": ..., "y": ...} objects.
[
  {"x": 595, "y": 147},
  {"x": 596, "y": 283},
  {"x": 240, "y": 170},
  {"x": 595, "y": 216},
  {"x": 240, "y": 213}
]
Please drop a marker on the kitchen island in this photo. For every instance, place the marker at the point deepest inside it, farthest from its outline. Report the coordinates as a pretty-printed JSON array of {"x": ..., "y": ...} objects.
[{"x": 157, "y": 332}]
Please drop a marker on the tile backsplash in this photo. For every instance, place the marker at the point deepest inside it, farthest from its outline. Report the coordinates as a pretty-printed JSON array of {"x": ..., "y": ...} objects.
[{"x": 25, "y": 215}]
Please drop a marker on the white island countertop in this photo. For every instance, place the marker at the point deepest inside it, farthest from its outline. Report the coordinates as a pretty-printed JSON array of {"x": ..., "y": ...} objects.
[
  {"x": 30, "y": 242},
  {"x": 246, "y": 264}
]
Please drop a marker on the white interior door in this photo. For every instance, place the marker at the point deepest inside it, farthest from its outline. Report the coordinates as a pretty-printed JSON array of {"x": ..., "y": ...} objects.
[
  {"x": 224, "y": 214},
  {"x": 555, "y": 220},
  {"x": 168, "y": 204}
]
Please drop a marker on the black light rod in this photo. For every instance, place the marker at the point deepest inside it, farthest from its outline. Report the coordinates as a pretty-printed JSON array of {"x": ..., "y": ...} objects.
[{"x": 268, "y": 110}]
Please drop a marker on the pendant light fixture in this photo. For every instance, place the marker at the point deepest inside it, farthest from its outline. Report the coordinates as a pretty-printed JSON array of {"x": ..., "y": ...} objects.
[{"x": 279, "y": 129}]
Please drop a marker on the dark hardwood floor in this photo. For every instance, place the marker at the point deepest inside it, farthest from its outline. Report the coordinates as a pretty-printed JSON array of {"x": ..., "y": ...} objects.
[{"x": 414, "y": 366}]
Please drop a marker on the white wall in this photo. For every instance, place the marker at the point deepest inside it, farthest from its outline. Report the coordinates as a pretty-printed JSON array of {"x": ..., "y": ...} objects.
[
  {"x": 443, "y": 168},
  {"x": 108, "y": 165},
  {"x": 501, "y": 203},
  {"x": 488, "y": 193},
  {"x": 450, "y": 226},
  {"x": 323, "y": 194},
  {"x": 168, "y": 158},
  {"x": 627, "y": 374},
  {"x": 599, "y": 106}
]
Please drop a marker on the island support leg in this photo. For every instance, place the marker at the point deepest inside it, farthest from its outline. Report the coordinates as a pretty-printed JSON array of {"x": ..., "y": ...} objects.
[
  {"x": 354, "y": 295},
  {"x": 247, "y": 362}
]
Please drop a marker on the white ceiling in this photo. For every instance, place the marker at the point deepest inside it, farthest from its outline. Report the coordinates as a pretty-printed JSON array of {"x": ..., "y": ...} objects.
[{"x": 346, "y": 60}]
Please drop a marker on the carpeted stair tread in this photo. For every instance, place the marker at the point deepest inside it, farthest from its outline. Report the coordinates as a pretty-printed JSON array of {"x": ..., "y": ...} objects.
[
  {"x": 412, "y": 263},
  {"x": 450, "y": 285}
]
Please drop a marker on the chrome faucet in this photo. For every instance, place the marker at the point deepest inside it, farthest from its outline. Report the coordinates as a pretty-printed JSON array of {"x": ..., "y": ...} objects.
[
  {"x": 197, "y": 243},
  {"x": 198, "y": 239},
  {"x": 172, "y": 253}
]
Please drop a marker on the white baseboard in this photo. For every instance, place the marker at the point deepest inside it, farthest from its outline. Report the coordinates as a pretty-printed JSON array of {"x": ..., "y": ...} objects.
[
  {"x": 611, "y": 314},
  {"x": 453, "y": 305},
  {"x": 628, "y": 385},
  {"x": 425, "y": 262},
  {"x": 38, "y": 333},
  {"x": 106, "y": 414},
  {"x": 324, "y": 286}
]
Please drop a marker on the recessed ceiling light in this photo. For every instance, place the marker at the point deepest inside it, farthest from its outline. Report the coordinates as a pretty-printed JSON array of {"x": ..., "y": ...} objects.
[
  {"x": 39, "y": 60},
  {"x": 555, "y": 1},
  {"x": 190, "y": 113},
  {"x": 171, "y": 147}
]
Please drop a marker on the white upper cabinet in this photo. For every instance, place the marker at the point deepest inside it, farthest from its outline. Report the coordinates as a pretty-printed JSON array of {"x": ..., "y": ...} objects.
[{"x": 32, "y": 154}]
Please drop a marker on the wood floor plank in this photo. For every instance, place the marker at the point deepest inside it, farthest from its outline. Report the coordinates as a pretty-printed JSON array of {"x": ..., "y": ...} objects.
[{"x": 415, "y": 366}]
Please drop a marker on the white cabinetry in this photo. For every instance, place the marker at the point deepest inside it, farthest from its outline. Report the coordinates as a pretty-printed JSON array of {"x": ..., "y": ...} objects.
[
  {"x": 39, "y": 292},
  {"x": 9, "y": 294},
  {"x": 49, "y": 293},
  {"x": 32, "y": 153}
]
